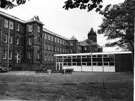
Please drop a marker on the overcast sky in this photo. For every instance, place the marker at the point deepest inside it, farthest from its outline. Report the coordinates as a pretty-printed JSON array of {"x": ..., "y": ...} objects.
[{"x": 64, "y": 22}]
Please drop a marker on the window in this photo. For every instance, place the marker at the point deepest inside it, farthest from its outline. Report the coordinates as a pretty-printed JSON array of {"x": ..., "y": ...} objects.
[
  {"x": 51, "y": 38},
  {"x": 52, "y": 48},
  {"x": 6, "y": 23},
  {"x": 85, "y": 48},
  {"x": 30, "y": 41},
  {"x": 17, "y": 40},
  {"x": 38, "y": 29},
  {"x": 45, "y": 36},
  {"x": 38, "y": 38},
  {"x": 5, "y": 38},
  {"x": 38, "y": 55},
  {"x": 4, "y": 54},
  {"x": 45, "y": 57},
  {"x": 10, "y": 54},
  {"x": 17, "y": 27},
  {"x": 11, "y": 39},
  {"x": 11, "y": 25},
  {"x": 30, "y": 28},
  {"x": 55, "y": 49},
  {"x": 48, "y": 37},
  {"x": 29, "y": 55},
  {"x": 55, "y": 39},
  {"x": 58, "y": 40},
  {"x": 18, "y": 58},
  {"x": 48, "y": 47}
]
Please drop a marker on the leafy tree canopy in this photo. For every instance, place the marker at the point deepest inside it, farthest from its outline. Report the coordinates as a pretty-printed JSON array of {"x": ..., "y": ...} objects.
[
  {"x": 11, "y": 3},
  {"x": 118, "y": 23},
  {"x": 83, "y": 4}
]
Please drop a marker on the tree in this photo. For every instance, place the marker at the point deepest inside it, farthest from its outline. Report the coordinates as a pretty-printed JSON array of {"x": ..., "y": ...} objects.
[
  {"x": 118, "y": 24},
  {"x": 83, "y": 4},
  {"x": 11, "y": 3}
]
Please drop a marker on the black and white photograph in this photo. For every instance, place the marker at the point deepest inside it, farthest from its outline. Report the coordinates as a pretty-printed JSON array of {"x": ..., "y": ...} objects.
[{"x": 67, "y": 50}]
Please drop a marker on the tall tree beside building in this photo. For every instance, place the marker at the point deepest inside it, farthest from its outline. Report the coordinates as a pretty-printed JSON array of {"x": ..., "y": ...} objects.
[
  {"x": 83, "y": 4},
  {"x": 11, "y": 3},
  {"x": 118, "y": 24}
]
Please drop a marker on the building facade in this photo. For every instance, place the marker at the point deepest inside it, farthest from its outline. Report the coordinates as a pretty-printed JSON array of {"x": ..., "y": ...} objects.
[{"x": 27, "y": 42}]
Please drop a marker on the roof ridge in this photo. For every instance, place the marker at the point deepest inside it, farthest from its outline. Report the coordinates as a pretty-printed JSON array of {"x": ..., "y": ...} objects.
[{"x": 11, "y": 16}]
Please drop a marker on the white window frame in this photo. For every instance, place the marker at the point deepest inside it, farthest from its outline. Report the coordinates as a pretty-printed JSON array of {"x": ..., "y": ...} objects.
[
  {"x": 18, "y": 58},
  {"x": 17, "y": 27},
  {"x": 5, "y": 23},
  {"x": 38, "y": 55},
  {"x": 48, "y": 37},
  {"x": 11, "y": 25},
  {"x": 29, "y": 55},
  {"x": 5, "y": 38},
  {"x": 30, "y": 41},
  {"x": 38, "y": 29},
  {"x": 17, "y": 40},
  {"x": 10, "y": 54},
  {"x": 4, "y": 54},
  {"x": 30, "y": 28},
  {"x": 11, "y": 40}
]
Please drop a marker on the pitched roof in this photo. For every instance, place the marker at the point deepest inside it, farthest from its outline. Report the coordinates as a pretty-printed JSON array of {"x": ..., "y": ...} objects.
[
  {"x": 73, "y": 38},
  {"x": 11, "y": 17},
  {"x": 52, "y": 33}
]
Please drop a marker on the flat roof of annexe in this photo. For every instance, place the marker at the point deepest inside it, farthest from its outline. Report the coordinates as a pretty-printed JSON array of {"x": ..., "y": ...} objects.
[{"x": 95, "y": 53}]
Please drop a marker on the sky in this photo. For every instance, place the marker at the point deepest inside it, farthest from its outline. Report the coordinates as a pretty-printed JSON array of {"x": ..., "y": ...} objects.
[{"x": 68, "y": 23}]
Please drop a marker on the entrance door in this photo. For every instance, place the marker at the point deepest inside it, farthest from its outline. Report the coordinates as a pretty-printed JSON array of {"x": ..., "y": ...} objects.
[{"x": 59, "y": 66}]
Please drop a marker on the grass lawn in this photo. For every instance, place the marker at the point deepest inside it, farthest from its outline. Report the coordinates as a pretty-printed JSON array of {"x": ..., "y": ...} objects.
[{"x": 79, "y": 86}]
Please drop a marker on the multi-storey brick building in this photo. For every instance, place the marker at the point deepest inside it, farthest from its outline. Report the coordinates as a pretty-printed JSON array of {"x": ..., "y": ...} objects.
[{"x": 27, "y": 42}]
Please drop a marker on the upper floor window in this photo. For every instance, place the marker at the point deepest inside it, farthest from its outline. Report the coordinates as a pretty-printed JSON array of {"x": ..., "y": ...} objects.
[
  {"x": 45, "y": 36},
  {"x": 38, "y": 55},
  {"x": 58, "y": 40},
  {"x": 30, "y": 28},
  {"x": 11, "y": 25},
  {"x": 17, "y": 27},
  {"x": 52, "y": 48},
  {"x": 4, "y": 54},
  {"x": 6, "y": 23},
  {"x": 38, "y": 38},
  {"x": 30, "y": 41},
  {"x": 55, "y": 39},
  {"x": 11, "y": 39},
  {"x": 51, "y": 38},
  {"x": 38, "y": 29},
  {"x": 17, "y": 40},
  {"x": 29, "y": 55},
  {"x": 48, "y": 37},
  {"x": 5, "y": 38},
  {"x": 48, "y": 47},
  {"x": 45, "y": 57},
  {"x": 10, "y": 54}
]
